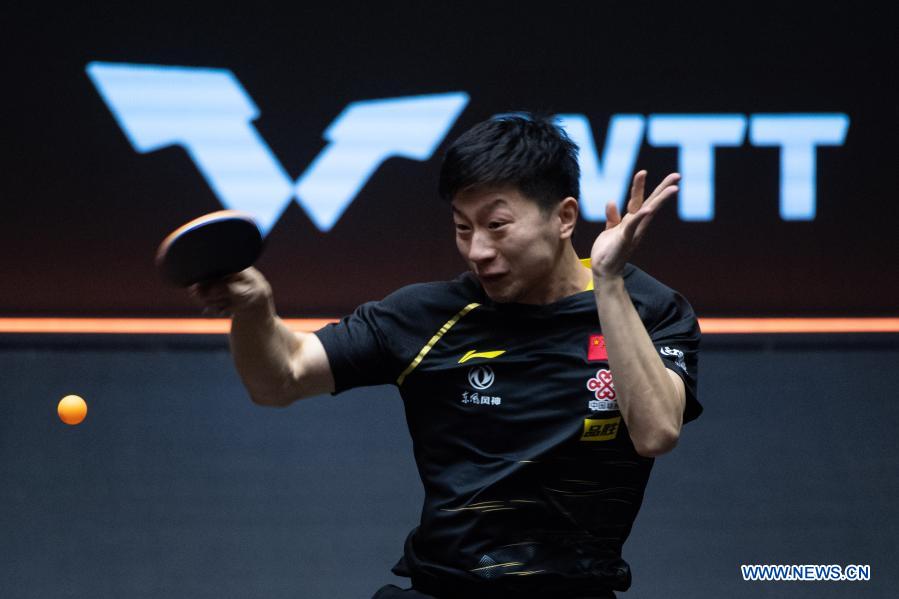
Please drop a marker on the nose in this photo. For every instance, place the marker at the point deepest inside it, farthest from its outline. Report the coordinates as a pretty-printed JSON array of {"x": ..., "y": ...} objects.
[{"x": 480, "y": 249}]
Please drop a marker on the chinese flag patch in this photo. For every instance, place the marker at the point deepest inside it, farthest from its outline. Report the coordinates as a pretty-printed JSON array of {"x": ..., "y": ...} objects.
[{"x": 596, "y": 348}]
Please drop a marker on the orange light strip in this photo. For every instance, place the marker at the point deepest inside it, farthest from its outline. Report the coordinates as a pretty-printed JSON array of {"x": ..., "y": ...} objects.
[
  {"x": 744, "y": 326},
  {"x": 218, "y": 326},
  {"x": 140, "y": 326}
]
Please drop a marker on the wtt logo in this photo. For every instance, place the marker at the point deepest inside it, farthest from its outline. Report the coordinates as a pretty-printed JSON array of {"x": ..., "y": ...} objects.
[{"x": 209, "y": 113}]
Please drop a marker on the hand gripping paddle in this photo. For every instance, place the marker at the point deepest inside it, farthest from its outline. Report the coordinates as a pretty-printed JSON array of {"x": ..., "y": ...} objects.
[{"x": 209, "y": 247}]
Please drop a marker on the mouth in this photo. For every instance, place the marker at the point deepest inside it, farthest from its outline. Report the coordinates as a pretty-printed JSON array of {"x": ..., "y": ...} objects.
[{"x": 491, "y": 277}]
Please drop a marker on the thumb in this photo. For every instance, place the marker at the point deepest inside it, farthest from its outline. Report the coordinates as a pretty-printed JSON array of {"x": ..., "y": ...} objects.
[{"x": 612, "y": 216}]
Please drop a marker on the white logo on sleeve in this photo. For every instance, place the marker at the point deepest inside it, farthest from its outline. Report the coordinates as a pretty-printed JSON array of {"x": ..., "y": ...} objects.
[{"x": 678, "y": 356}]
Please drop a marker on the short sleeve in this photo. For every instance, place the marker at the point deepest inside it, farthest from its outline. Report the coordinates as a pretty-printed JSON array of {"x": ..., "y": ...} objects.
[
  {"x": 358, "y": 348},
  {"x": 374, "y": 344},
  {"x": 674, "y": 331}
]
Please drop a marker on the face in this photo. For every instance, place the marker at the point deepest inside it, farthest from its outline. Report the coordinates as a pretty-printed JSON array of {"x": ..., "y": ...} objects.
[{"x": 509, "y": 243}]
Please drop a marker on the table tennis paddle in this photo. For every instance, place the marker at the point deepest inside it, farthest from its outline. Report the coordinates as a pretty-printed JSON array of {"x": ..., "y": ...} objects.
[{"x": 209, "y": 247}]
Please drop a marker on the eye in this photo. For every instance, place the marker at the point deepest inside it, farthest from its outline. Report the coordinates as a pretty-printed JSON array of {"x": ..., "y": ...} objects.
[
  {"x": 462, "y": 228},
  {"x": 496, "y": 224}
]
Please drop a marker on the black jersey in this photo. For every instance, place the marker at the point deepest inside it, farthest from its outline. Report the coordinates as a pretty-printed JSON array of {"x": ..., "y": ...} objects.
[{"x": 530, "y": 477}]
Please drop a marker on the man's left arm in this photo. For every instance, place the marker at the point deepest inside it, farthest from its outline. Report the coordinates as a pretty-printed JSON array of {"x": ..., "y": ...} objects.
[{"x": 650, "y": 396}]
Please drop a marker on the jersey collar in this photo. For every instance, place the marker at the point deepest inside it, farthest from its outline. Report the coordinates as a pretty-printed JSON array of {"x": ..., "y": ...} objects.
[{"x": 587, "y": 264}]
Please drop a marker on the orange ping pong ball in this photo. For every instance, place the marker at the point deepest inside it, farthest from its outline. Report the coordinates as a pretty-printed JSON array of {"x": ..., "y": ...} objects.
[{"x": 71, "y": 409}]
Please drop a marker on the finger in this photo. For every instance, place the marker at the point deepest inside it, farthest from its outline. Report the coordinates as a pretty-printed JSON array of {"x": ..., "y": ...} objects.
[
  {"x": 630, "y": 222},
  {"x": 213, "y": 290},
  {"x": 644, "y": 217},
  {"x": 201, "y": 294},
  {"x": 667, "y": 181},
  {"x": 656, "y": 202},
  {"x": 642, "y": 226},
  {"x": 232, "y": 278},
  {"x": 612, "y": 216},
  {"x": 637, "y": 190}
]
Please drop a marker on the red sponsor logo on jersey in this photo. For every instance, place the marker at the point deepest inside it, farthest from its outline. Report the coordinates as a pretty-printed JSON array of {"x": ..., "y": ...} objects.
[
  {"x": 596, "y": 349},
  {"x": 602, "y": 385}
]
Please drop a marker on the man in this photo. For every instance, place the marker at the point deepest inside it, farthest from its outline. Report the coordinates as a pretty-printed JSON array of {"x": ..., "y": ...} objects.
[{"x": 537, "y": 387}]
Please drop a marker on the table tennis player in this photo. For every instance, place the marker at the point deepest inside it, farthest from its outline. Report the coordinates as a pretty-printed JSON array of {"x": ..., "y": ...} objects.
[{"x": 538, "y": 387}]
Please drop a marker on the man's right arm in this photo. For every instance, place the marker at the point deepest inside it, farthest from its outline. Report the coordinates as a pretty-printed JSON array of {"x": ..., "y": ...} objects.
[{"x": 277, "y": 366}]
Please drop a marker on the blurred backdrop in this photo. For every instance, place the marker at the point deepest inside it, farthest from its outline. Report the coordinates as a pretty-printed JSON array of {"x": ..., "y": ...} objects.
[{"x": 328, "y": 121}]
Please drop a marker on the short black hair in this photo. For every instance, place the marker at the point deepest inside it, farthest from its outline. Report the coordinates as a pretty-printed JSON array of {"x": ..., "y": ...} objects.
[{"x": 529, "y": 151}]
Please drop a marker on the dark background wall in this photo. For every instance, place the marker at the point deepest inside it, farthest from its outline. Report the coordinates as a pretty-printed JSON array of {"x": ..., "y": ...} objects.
[
  {"x": 176, "y": 485},
  {"x": 88, "y": 210}
]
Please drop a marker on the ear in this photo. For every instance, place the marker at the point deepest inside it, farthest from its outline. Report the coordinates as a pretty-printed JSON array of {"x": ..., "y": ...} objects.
[{"x": 568, "y": 211}]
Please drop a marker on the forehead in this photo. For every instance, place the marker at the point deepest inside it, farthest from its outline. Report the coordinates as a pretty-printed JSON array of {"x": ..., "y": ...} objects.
[{"x": 472, "y": 202}]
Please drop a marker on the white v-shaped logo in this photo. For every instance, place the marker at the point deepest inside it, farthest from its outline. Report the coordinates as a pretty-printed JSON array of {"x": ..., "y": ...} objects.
[{"x": 209, "y": 113}]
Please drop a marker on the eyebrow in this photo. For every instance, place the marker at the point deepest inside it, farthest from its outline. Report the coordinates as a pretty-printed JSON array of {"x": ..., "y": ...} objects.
[{"x": 493, "y": 203}]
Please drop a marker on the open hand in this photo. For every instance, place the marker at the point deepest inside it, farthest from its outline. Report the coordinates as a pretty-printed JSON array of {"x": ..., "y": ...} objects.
[{"x": 622, "y": 235}]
